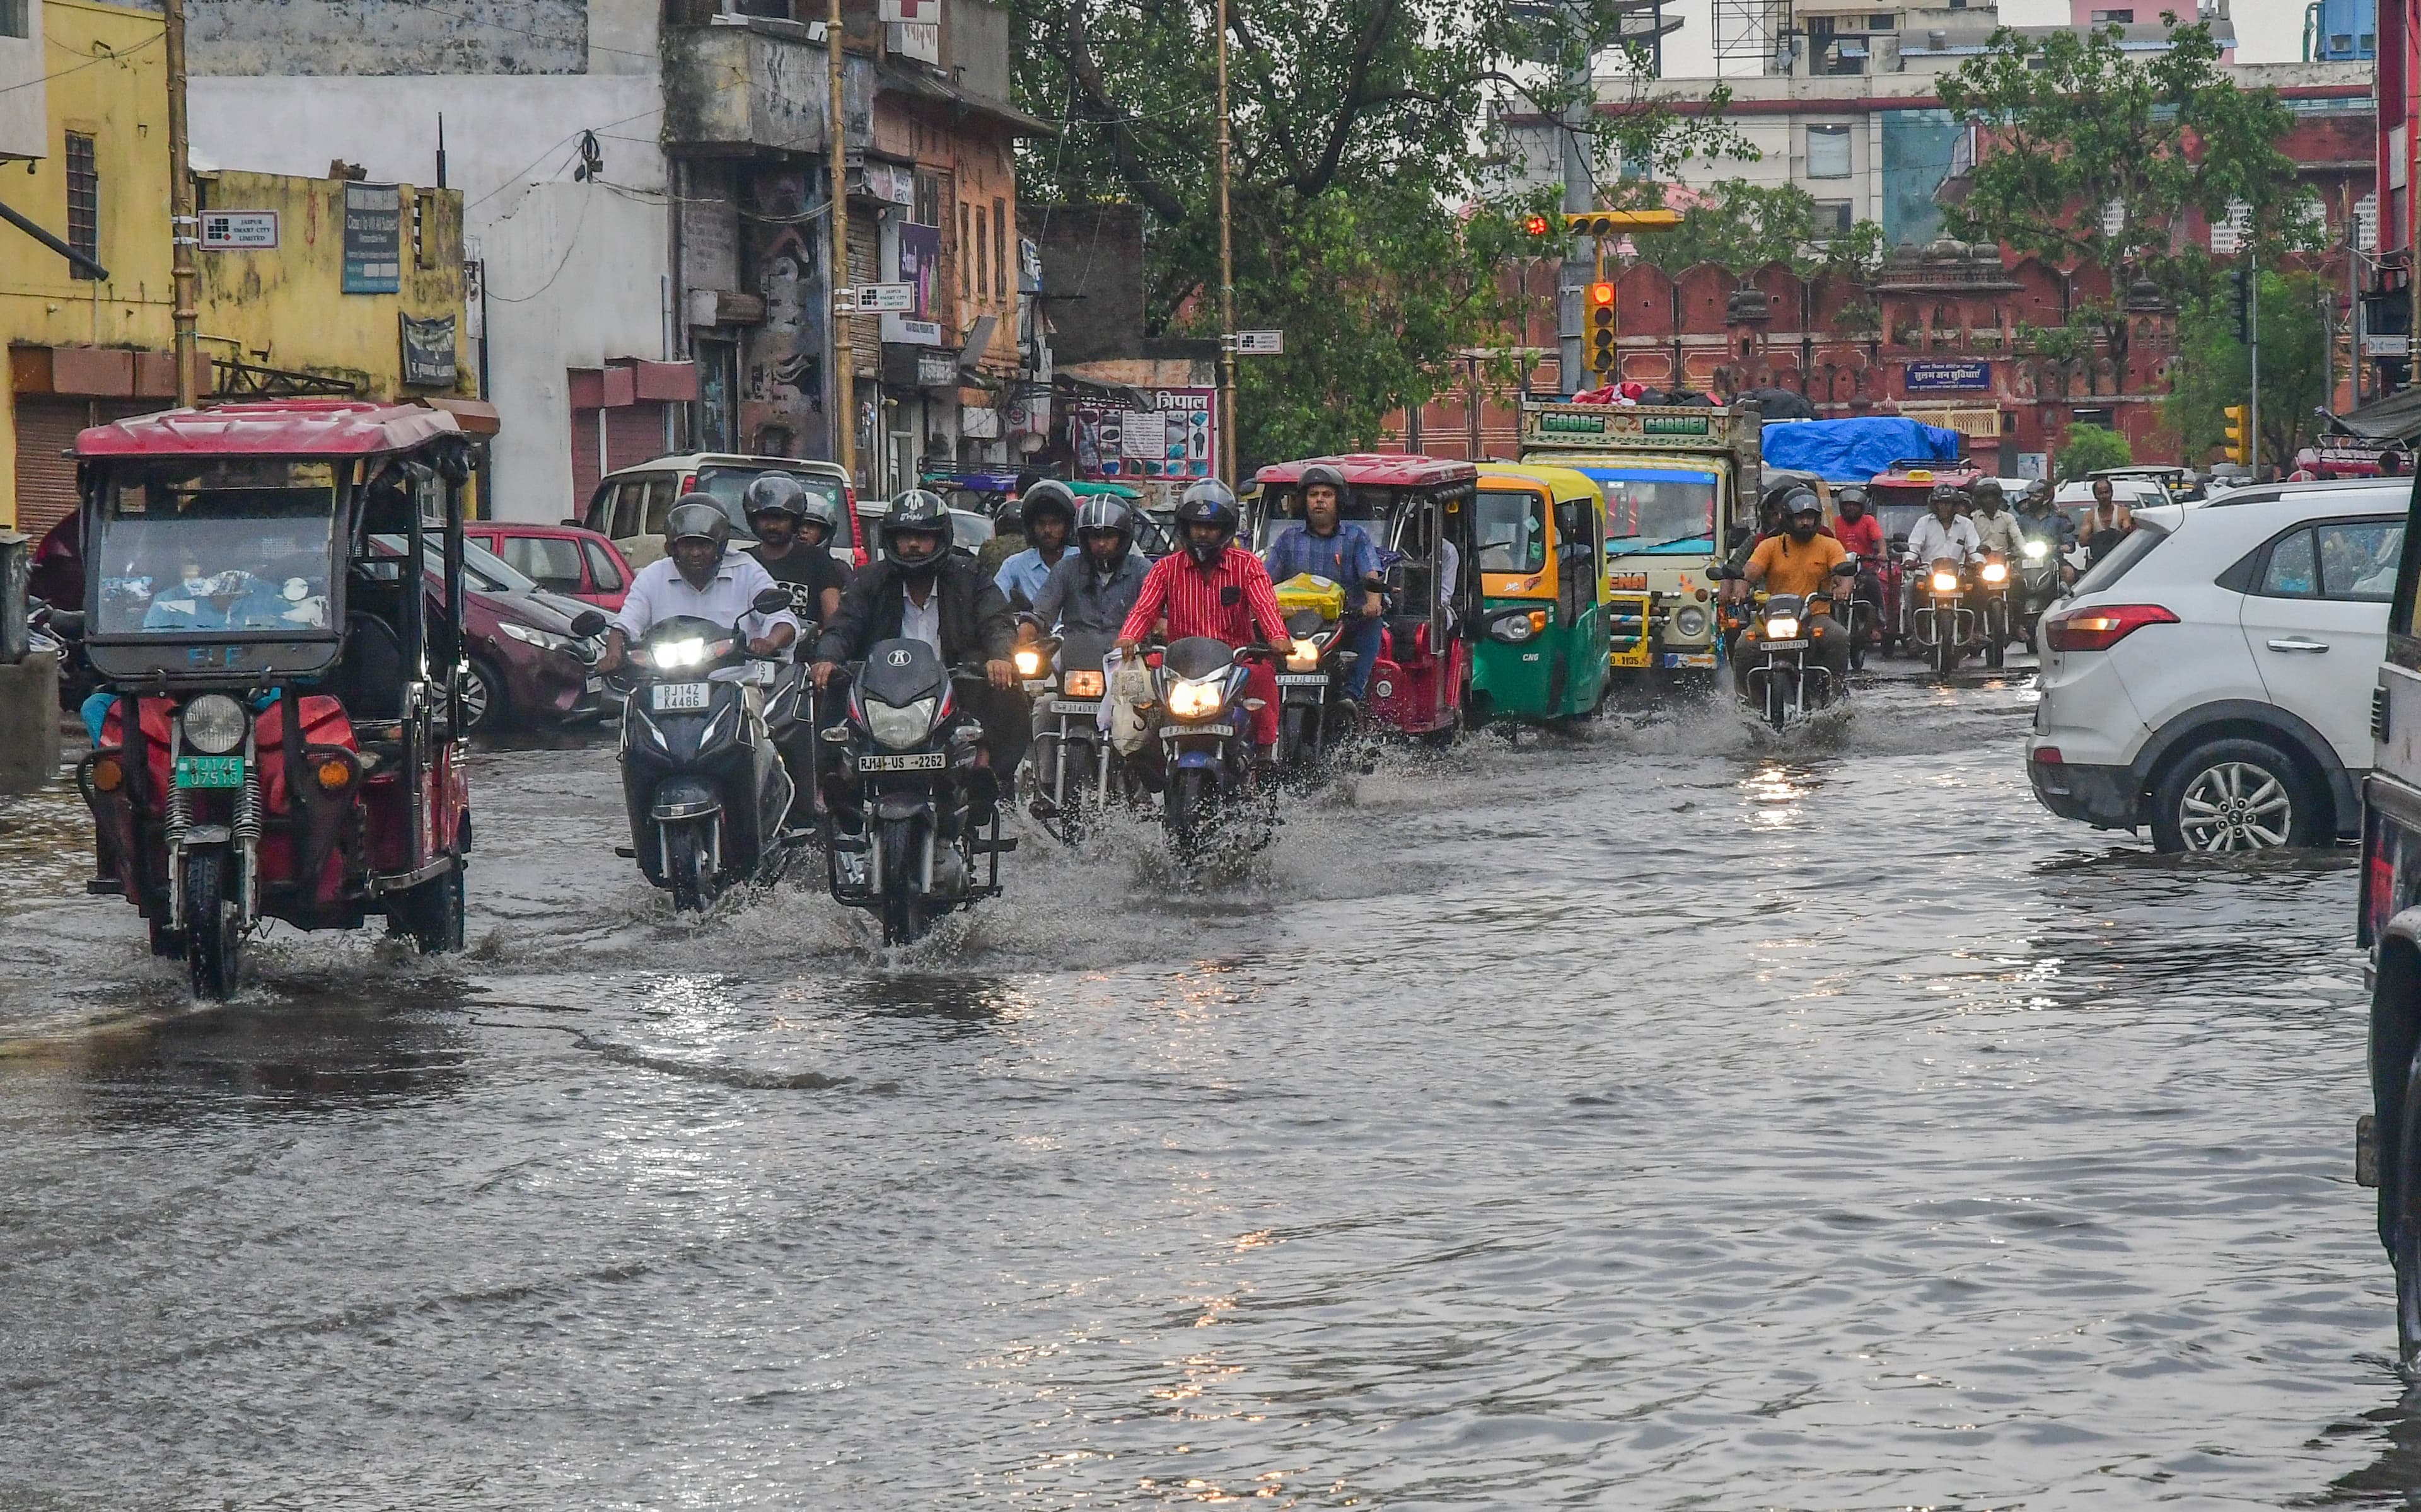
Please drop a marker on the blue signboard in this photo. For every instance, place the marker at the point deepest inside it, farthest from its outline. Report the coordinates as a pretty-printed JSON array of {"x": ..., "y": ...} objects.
[
  {"x": 373, "y": 239},
  {"x": 1949, "y": 377}
]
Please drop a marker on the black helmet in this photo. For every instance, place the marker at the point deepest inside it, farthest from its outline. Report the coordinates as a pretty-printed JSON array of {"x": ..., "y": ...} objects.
[
  {"x": 1106, "y": 517},
  {"x": 920, "y": 510},
  {"x": 695, "y": 516},
  {"x": 1803, "y": 501},
  {"x": 1988, "y": 487},
  {"x": 1319, "y": 472},
  {"x": 1851, "y": 495},
  {"x": 821, "y": 509},
  {"x": 1208, "y": 502},
  {"x": 775, "y": 493},
  {"x": 1942, "y": 494},
  {"x": 1049, "y": 496}
]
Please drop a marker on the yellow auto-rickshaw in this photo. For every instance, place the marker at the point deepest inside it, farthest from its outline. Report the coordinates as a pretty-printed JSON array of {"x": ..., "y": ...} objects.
[{"x": 1547, "y": 610}]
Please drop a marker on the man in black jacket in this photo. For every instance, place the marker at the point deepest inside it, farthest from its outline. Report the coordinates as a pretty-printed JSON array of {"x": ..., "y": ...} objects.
[{"x": 920, "y": 590}]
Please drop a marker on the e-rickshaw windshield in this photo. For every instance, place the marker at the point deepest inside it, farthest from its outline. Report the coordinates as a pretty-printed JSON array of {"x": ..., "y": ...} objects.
[
  {"x": 1656, "y": 506},
  {"x": 1511, "y": 527},
  {"x": 243, "y": 545}
]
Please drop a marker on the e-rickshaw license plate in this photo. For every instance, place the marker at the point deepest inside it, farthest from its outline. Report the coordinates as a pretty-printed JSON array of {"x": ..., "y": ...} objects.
[
  {"x": 922, "y": 761},
  {"x": 209, "y": 771},
  {"x": 1783, "y": 645},
  {"x": 675, "y": 697}
]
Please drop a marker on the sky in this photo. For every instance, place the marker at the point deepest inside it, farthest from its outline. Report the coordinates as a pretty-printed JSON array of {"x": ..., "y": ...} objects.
[{"x": 2267, "y": 31}]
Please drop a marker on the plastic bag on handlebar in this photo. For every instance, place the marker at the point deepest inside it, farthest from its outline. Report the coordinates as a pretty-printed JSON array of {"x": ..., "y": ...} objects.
[{"x": 1121, "y": 718}]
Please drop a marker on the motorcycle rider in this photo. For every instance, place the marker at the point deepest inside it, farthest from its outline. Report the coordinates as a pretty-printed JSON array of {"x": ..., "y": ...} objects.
[
  {"x": 1944, "y": 534},
  {"x": 1996, "y": 529},
  {"x": 1216, "y": 588},
  {"x": 792, "y": 527},
  {"x": 1048, "y": 511},
  {"x": 1326, "y": 546},
  {"x": 1800, "y": 561},
  {"x": 699, "y": 576},
  {"x": 2040, "y": 521},
  {"x": 1862, "y": 535},
  {"x": 921, "y": 590},
  {"x": 1093, "y": 588}
]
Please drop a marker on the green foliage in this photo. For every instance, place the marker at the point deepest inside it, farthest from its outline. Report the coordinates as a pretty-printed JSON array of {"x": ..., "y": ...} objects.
[
  {"x": 1365, "y": 225},
  {"x": 1742, "y": 226},
  {"x": 2214, "y": 370},
  {"x": 2090, "y": 447}
]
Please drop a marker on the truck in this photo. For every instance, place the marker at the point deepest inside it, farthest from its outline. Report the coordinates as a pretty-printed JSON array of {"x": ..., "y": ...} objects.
[{"x": 1677, "y": 479}]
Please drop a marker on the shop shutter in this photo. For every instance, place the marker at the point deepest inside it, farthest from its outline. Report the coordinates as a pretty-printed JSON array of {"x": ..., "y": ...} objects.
[
  {"x": 584, "y": 471},
  {"x": 46, "y": 430},
  {"x": 633, "y": 435}
]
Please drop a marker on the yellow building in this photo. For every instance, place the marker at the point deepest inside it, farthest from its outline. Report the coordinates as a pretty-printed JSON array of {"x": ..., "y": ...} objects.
[{"x": 307, "y": 286}]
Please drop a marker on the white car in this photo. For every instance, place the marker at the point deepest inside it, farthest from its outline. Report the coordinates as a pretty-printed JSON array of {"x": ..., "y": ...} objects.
[{"x": 2211, "y": 679}]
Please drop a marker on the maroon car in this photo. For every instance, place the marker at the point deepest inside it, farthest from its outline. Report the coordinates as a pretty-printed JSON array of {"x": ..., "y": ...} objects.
[
  {"x": 527, "y": 666},
  {"x": 561, "y": 560}
]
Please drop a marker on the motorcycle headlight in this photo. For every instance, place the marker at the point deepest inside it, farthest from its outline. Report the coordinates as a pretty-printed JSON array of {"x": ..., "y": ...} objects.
[
  {"x": 1197, "y": 697},
  {"x": 1304, "y": 657},
  {"x": 1690, "y": 622},
  {"x": 1782, "y": 628},
  {"x": 214, "y": 723},
  {"x": 1996, "y": 572},
  {"x": 1082, "y": 684},
  {"x": 2037, "y": 549},
  {"x": 896, "y": 730},
  {"x": 688, "y": 653},
  {"x": 1029, "y": 663},
  {"x": 1946, "y": 582}
]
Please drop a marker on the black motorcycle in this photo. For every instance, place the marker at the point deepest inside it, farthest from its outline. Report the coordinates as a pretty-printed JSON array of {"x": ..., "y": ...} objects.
[
  {"x": 1942, "y": 624},
  {"x": 1996, "y": 614},
  {"x": 1206, "y": 744},
  {"x": 1076, "y": 772},
  {"x": 2039, "y": 584},
  {"x": 901, "y": 839},
  {"x": 1311, "y": 692},
  {"x": 704, "y": 785},
  {"x": 1782, "y": 677}
]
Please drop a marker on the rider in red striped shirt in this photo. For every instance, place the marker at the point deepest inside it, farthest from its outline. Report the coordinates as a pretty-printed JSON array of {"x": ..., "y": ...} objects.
[{"x": 1216, "y": 588}]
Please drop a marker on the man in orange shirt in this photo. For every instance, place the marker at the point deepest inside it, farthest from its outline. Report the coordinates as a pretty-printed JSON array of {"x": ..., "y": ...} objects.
[{"x": 1800, "y": 561}]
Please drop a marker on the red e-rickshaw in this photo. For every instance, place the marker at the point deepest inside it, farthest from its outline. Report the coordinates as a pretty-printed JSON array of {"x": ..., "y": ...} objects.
[
  {"x": 286, "y": 739},
  {"x": 1418, "y": 511}
]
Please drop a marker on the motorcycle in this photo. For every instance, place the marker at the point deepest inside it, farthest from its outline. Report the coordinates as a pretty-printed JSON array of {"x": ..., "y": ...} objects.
[
  {"x": 706, "y": 789},
  {"x": 2039, "y": 584},
  {"x": 1781, "y": 678},
  {"x": 902, "y": 841},
  {"x": 1076, "y": 772},
  {"x": 1206, "y": 742},
  {"x": 1994, "y": 611},
  {"x": 1943, "y": 625},
  {"x": 1311, "y": 692}
]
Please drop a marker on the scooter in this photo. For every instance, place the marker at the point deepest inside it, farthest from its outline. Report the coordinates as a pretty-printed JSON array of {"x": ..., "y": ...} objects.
[
  {"x": 1076, "y": 772},
  {"x": 1206, "y": 744},
  {"x": 704, "y": 786},
  {"x": 902, "y": 840}
]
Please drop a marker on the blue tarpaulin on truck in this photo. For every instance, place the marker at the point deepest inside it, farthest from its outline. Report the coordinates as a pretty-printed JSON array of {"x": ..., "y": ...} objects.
[{"x": 1852, "y": 451}]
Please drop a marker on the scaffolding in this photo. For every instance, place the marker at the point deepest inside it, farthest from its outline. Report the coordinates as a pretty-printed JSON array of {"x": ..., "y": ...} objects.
[{"x": 1752, "y": 36}]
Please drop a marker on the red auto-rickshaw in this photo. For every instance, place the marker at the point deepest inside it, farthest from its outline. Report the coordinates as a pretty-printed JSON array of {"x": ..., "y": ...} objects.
[
  {"x": 286, "y": 741},
  {"x": 1418, "y": 512}
]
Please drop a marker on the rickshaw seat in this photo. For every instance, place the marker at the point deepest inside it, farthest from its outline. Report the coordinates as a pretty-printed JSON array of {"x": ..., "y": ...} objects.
[
  {"x": 1407, "y": 636},
  {"x": 370, "y": 679}
]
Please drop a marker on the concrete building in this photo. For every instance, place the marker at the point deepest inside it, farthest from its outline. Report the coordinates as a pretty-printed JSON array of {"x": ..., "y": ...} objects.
[{"x": 290, "y": 299}]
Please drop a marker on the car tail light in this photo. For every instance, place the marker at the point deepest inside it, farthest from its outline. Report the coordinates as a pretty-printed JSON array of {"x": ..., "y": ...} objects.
[
  {"x": 688, "y": 486},
  {"x": 2048, "y": 756},
  {"x": 2102, "y": 626}
]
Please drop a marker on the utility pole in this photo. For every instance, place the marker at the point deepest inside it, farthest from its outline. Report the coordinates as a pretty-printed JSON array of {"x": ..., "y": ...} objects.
[
  {"x": 184, "y": 227},
  {"x": 844, "y": 383},
  {"x": 2253, "y": 345},
  {"x": 1227, "y": 279},
  {"x": 1580, "y": 193}
]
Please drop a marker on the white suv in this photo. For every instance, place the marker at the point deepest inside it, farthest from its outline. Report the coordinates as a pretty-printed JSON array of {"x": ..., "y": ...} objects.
[{"x": 2211, "y": 677}]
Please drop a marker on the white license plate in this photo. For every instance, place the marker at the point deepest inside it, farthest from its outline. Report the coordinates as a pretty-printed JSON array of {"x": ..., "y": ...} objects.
[
  {"x": 923, "y": 761},
  {"x": 1302, "y": 679},
  {"x": 673, "y": 697},
  {"x": 1076, "y": 706},
  {"x": 1689, "y": 659},
  {"x": 1174, "y": 731},
  {"x": 1783, "y": 645}
]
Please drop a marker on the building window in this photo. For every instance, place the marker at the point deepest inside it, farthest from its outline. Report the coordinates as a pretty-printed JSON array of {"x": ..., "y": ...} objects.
[
  {"x": 928, "y": 200},
  {"x": 999, "y": 248},
  {"x": 2114, "y": 18},
  {"x": 13, "y": 19},
  {"x": 966, "y": 255},
  {"x": 983, "y": 264},
  {"x": 1828, "y": 152},
  {"x": 1833, "y": 217},
  {"x": 84, "y": 200},
  {"x": 1882, "y": 24}
]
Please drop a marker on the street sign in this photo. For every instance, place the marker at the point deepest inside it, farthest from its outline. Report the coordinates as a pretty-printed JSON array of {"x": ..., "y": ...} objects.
[
  {"x": 240, "y": 230},
  {"x": 876, "y": 299},
  {"x": 1260, "y": 343}
]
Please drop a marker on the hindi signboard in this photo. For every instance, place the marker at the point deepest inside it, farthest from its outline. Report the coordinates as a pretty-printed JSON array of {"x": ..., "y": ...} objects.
[
  {"x": 1175, "y": 437},
  {"x": 429, "y": 352},
  {"x": 1949, "y": 377}
]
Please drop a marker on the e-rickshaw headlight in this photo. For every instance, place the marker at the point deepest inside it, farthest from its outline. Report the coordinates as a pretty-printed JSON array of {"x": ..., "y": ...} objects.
[{"x": 213, "y": 723}]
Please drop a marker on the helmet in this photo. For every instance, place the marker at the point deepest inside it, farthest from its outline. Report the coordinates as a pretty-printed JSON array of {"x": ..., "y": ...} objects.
[
  {"x": 1208, "y": 502},
  {"x": 775, "y": 493},
  {"x": 1320, "y": 473},
  {"x": 1851, "y": 495},
  {"x": 697, "y": 516},
  {"x": 1986, "y": 488},
  {"x": 921, "y": 510},
  {"x": 1803, "y": 501},
  {"x": 2039, "y": 491},
  {"x": 1049, "y": 496},
  {"x": 821, "y": 509},
  {"x": 1942, "y": 494},
  {"x": 1106, "y": 517}
]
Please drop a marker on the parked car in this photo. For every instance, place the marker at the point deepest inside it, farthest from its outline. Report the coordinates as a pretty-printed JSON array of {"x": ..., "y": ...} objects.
[
  {"x": 526, "y": 665},
  {"x": 2211, "y": 679},
  {"x": 630, "y": 505},
  {"x": 560, "y": 559}
]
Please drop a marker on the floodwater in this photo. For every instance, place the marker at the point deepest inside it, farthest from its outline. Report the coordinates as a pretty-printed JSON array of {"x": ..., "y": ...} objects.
[{"x": 1662, "y": 1118}]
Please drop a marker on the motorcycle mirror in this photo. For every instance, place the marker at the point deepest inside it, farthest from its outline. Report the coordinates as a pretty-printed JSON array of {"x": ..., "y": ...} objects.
[
  {"x": 590, "y": 622},
  {"x": 770, "y": 601},
  {"x": 1845, "y": 569}
]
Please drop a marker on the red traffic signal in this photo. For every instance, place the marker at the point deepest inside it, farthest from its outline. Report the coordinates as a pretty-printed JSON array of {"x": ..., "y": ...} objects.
[
  {"x": 1537, "y": 225},
  {"x": 1600, "y": 294}
]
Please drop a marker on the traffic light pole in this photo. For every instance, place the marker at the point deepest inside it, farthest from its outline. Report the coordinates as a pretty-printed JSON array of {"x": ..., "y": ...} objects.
[{"x": 1580, "y": 193}]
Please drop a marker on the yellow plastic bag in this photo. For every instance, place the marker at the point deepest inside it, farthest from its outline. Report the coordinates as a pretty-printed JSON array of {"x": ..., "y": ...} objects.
[{"x": 1306, "y": 591}]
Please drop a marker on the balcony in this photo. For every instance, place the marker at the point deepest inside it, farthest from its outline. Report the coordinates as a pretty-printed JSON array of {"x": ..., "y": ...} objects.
[{"x": 747, "y": 86}]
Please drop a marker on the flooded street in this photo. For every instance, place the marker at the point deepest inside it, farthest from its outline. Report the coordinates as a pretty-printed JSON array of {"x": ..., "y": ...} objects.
[{"x": 1658, "y": 1118}]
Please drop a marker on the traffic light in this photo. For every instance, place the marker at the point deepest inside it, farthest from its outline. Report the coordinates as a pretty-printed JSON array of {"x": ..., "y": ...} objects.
[
  {"x": 2240, "y": 299},
  {"x": 1601, "y": 329},
  {"x": 1618, "y": 222},
  {"x": 2240, "y": 435},
  {"x": 1536, "y": 227}
]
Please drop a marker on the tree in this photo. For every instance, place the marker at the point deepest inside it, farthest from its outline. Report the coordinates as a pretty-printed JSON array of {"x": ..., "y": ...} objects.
[
  {"x": 1364, "y": 225},
  {"x": 2089, "y": 448},
  {"x": 2091, "y": 155},
  {"x": 2213, "y": 369},
  {"x": 1742, "y": 226}
]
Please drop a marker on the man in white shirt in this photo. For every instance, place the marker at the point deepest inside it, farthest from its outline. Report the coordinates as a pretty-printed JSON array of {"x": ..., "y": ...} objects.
[
  {"x": 1996, "y": 528},
  {"x": 700, "y": 576},
  {"x": 1945, "y": 534}
]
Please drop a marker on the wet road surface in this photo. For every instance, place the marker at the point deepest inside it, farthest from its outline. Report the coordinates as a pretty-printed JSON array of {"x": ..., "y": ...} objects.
[{"x": 1665, "y": 1117}]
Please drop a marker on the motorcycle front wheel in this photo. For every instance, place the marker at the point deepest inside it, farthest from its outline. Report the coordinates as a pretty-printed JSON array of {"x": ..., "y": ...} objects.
[
  {"x": 213, "y": 938},
  {"x": 1185, "y": 810},
  {"x": 689, "y": 869},
  {"x": 905, "y": 915}
]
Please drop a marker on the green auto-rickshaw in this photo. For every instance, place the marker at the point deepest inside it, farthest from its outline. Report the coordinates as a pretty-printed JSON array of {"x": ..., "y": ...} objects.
[{"x": 1546, "y": 602}]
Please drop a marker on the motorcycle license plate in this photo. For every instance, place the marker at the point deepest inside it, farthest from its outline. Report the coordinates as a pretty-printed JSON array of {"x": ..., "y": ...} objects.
[
  {"x": 922, "y": 761},
  {"x": 674, "y": 697},
  {"x": 1076, "y": 706},
  {"x": 1783, "y": 645},
  {"x": 1302, "y": 679},
  {"x": 1176, "y": 731},
  {"x": 209, "y": 771}
]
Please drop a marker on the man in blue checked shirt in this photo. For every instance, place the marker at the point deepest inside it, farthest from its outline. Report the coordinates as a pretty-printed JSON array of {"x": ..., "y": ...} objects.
[{"x": 1327, "y": 547}]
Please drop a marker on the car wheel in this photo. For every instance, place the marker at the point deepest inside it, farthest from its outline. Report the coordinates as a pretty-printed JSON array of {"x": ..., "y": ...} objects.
[
  {"x": 2234, "y": 795},
  {"x": 487, "y": 706}
]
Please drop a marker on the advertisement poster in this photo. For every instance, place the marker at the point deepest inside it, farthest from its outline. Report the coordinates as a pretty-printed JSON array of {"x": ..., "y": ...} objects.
[
  {"x": 1176, "y": 437},
  {"x": 373, "y": 239},
  {"x": 920, "y": 263}
]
